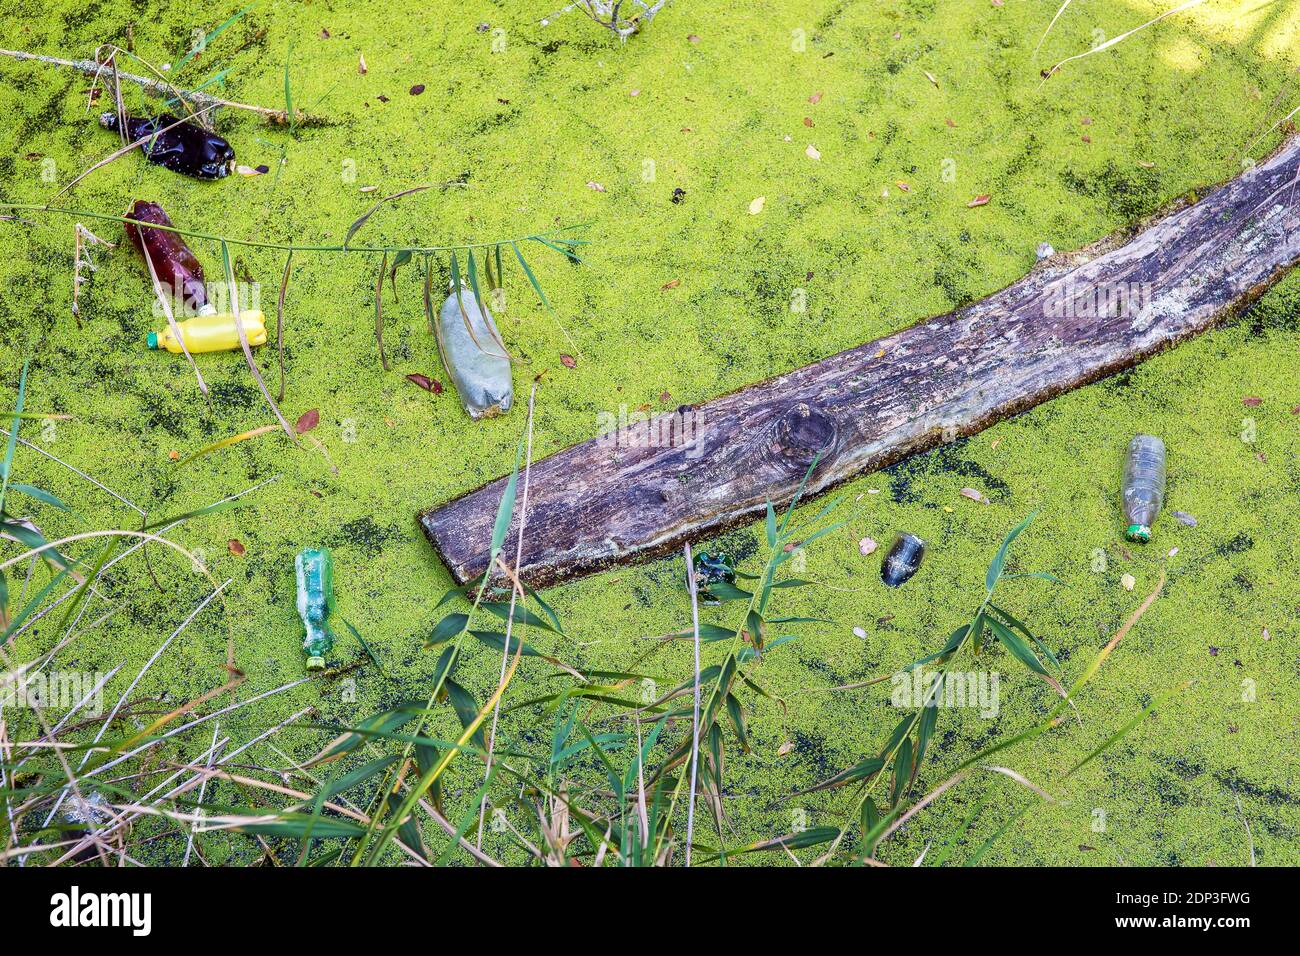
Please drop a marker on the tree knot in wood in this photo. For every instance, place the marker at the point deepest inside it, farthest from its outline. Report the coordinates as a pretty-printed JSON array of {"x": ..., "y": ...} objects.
[{"x": 802, "y": 433}]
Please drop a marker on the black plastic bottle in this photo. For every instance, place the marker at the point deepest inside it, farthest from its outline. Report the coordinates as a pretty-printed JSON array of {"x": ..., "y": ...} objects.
[
  {"x": 902, "y": 560},
  {"x": 185, "y": 148}
]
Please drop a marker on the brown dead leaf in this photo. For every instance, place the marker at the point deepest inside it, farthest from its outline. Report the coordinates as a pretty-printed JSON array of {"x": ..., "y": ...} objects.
[
  {"x": 568, "y": 361},
  {"x": 930, "y": 76},
  {"x": 671, "y": 284},
  {"x": 903, "y": 186},
  {"x": 807, "y": 121},
  {"x": 665, "y": 396},
  {"x": 981, "y": 200},
  {"x": 591, "y": 184},
  {"x": 307, "y": 421},
  {"x": 417, "y": 89},
  {"x": 361, "y": 65},
  {"x": 950, "y": 122},
  {"x": 785, "y": 748},
  {"x": 426, "y": 383},
  {"x": 236, "y": 547},
  {"x": 974, "y": 495},
  {"x": 816, "y": 98},
  {"x": 1252, "y": 401}
]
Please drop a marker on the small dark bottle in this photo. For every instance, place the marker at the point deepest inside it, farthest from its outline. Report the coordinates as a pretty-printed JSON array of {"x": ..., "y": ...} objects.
[
  {"x": 186, "y": 148},
  {"x": 179, "y": 270},
  {"x": 902, "y": 560}
]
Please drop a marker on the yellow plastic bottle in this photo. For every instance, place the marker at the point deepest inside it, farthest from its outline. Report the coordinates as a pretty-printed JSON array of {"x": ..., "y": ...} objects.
[{"x": 211, "y": 333}]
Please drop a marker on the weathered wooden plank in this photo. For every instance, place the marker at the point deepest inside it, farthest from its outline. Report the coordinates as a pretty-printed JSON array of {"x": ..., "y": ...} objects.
[{"x": 639, "y": 492}]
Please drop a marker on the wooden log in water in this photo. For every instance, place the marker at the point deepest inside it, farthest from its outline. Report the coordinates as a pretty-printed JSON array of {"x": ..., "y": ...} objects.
[{"x": 639, "y": 492}]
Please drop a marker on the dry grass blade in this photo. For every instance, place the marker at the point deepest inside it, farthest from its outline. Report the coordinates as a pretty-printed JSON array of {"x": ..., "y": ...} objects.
[
  {"x": 248, "y": 352},
  {"x": 1022, "y": 780},
  {"x": 1186, "y": 5},
  {"x": 1060, "y": 10},
  {"x": 279, "y": 321},
  {"x": 164, "y": 299},
  {"x": 695, "y": 717},
  {"x": 516, "y": 594},
  {"x": 121, "y": 152}
]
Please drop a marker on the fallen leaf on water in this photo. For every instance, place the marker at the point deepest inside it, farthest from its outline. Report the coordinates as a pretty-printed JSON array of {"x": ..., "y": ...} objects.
[
  {"x": 1251, "y": 401},
  {"x": 981, "y": 200},
  {"x": 1086, "y": 121},
  {"x": 974, "y": 495},
  {"x": 998, "y": 3},
  {"x": 634, "y": 93},
  {"x": 595, "y": 185},
  {"x": 692, "y": 38},
  {"x": 361, "y": 65},
  {"x": 426, "y": 383},
  {"x": 930, "y": 76},
  {"x": 1182, "y": 517},
  {"x": 815, "y": 98},
  {"x": 756, "y": 206},
  {"x": 671, "y": 284},
  {"x": 785, "y": 748},
  {"x": 251, "y": 171},
  {"x": 951, "y": 123},
  {"x": 236, "y": 547},
  {"x": 1296, "y": 410},
  {"x": 368, "y": 189},
  {"x": 568, "y": 361},
  {"x": 903, "y": 186},
  {"x": 1266, "y": 635},
  {"x": 1086, "y": 138},
  {"x": 812, "y": 152},
  {"x": 665, "y": 396},
  {"x": 307, "y": 421},
  {"x": 417, "y": 89},
  {"x": 866, "y": 546},
  {"x": 1146, "y": 165},
  {"x": 859, "y": 633},
  {"x": 1128, "y": 582},
  {"x": 807, "y": 121},
  {"x": 173, "y": 455}
]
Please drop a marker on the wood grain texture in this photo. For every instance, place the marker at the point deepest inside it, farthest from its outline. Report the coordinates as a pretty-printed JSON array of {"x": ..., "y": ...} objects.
[{"x": 639, "y": 492}]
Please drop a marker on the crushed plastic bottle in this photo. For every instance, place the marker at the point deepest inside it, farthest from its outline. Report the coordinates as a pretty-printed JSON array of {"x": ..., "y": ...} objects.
[
  {"x": 315, "y": 570},
  {"x": 712, "y": 569},
  {"x": 902, "y": 560},
  {"x": 475, "y": 358},
  {"x": 185, "y": 148},
  {"x": 211, "y": 333},
  {"x": 179, "y": 270},
  {"x": 1144, "y": 485}
]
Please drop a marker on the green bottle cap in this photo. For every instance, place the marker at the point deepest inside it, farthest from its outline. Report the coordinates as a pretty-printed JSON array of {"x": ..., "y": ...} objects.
[
  {"x": 315, "y": 663},
  {"x": 151, "y": 340},
  {"x": 1139, "y": 532}
]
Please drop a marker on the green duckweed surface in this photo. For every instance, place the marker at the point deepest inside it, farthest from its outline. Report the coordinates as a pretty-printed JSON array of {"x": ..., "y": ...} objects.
[{"x": 914, "y": 108}]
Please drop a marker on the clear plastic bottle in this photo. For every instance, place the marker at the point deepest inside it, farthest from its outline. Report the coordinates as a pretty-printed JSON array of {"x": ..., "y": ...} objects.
[
  {"x": 315, "y": 572},
  {"x": 475, "y": 357},
  {"x": 1144, "y": 485}
]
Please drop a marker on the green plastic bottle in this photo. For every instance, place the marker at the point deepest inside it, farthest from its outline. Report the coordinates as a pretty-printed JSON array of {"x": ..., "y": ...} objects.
[{"x": 315, "y": 570}]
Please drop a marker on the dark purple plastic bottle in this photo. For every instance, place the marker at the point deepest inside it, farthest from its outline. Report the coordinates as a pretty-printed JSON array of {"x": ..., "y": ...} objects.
[
  {"x": 186, "y": 148},
  {"x": 179, "y": 270}
]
